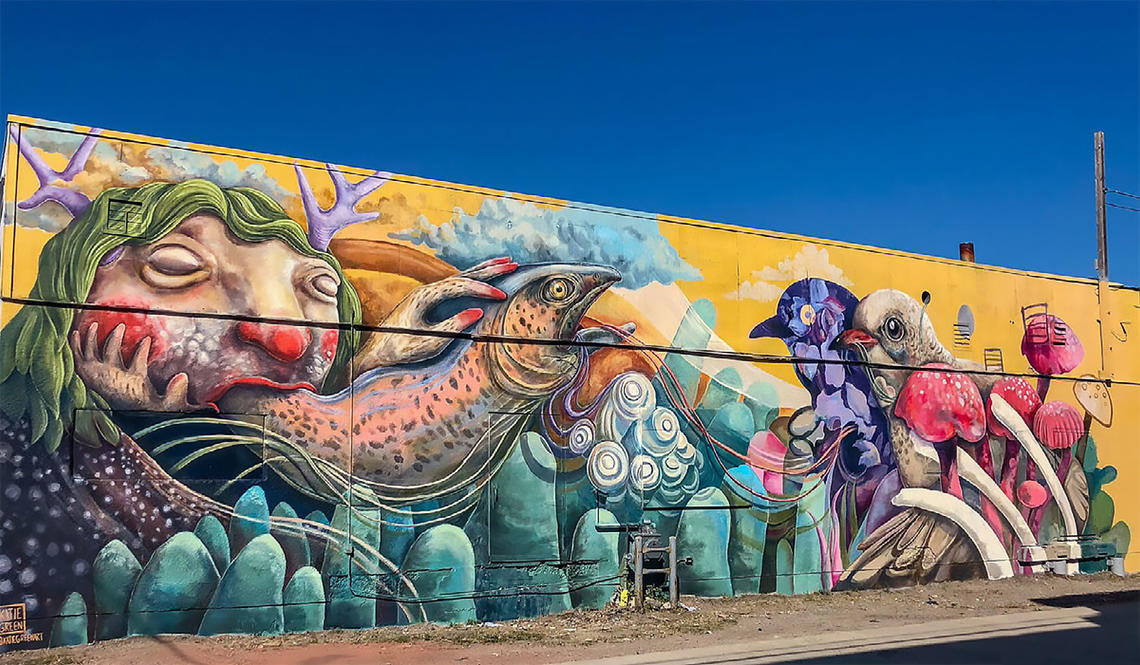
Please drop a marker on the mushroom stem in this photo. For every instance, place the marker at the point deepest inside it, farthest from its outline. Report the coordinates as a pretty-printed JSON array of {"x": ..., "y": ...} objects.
[
  {"x": 1082, "y": 446},
  {"x": 1013, "y": 422},
  {"x": 1009, "y": 467},
  {"x": 984, "y": 458},
  {"x": 1030, "y": 474},
  {"x": 1064, "y": 464},
  {"x": 988, "y": 488},
  {"x": 1043, "y": 386},
  {"x": 1036, "y": 515},
  {"x": 948, "y": 465}
]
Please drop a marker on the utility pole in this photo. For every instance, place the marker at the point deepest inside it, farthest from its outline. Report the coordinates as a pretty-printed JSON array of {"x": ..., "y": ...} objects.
[
  {"x": 1101, "y": 249},
  {"x": 1101, "y": 226}
]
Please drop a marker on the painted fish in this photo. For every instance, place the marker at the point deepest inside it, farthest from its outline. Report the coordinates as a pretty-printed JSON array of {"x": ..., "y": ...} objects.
[{"x": 413, "y": 432}]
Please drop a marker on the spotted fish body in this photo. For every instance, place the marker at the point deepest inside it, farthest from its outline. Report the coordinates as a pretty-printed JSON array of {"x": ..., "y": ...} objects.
[{"x": 414, "y": 432}]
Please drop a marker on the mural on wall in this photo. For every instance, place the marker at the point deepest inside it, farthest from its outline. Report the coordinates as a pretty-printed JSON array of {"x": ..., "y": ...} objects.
[{"x": 233, "y": 400}]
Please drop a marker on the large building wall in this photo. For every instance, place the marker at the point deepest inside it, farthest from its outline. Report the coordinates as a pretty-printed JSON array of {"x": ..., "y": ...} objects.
[{"x": 243, "y": 393}]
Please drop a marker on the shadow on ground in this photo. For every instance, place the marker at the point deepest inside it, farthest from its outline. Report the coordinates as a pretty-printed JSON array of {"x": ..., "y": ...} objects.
[{"x": 1114, "y": 639}]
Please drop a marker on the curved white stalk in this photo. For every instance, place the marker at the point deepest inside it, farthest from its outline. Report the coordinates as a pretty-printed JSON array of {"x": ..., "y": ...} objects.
[
  {"x": 970, "y": 470},
  {"x": 977, "y": 477},
  {"x": 954, "y": 509},
  {"x": 1013, "y": 422}
]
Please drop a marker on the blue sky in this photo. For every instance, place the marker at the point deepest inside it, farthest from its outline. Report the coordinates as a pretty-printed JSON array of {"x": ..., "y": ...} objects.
[{"x": 906, "y": 125}]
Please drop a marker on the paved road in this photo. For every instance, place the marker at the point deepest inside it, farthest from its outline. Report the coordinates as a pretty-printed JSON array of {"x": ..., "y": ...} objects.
[{"x": 1107, "y": 634}]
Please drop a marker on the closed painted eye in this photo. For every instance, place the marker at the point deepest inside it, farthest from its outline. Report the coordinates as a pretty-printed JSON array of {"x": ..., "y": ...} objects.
[
  {"x": 324, "y": 286},
  {"x": 174, "y": 266},
  {"x": 893, "y": 329},
  {"x": 557, "y": 290}
]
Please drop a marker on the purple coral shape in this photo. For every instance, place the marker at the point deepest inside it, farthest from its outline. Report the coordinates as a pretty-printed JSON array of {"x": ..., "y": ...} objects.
[
  {"x": 75, "y": 202},
  {"x": 324, "y": 224}
]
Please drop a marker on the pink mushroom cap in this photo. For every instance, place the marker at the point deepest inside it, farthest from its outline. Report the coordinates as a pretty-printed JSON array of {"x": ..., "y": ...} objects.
[
  {"x": 1031, "y": 494},
  {"x": 938, "y": 405},
  {"x": 1020, "y": 395},
  {"x": 1058, "y": 425},
  {"x": 1050, "y": 345}
]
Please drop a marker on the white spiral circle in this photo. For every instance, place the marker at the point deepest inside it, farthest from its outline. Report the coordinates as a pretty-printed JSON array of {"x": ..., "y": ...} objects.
[
  {"x": 672, "y": 471},
  {"x": 608, "y": 466},
  {"x": 644, "y": 474},
  {"x": 632, "y": 396},
  {"x": 685, "y": 450},
  {"x": 581, "y": 437},
  {"x": 665, "y": 424}
]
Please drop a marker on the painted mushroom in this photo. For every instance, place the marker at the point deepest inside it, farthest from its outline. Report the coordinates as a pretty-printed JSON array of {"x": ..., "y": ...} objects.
[
  {"x": 1051, "y": 347},
  {"x": 943, "y": 407},
  {"x": 1092, "y": 395},
  {"x": 1017, "y": 392},
  {"x": 1057, "y": 426}
]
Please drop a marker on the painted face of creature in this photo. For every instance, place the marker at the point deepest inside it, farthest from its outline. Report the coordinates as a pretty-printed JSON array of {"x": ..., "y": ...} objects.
[
  {"x": 201, "y": 267},
  {"x": 548, "y": 304},
  {"x": 892, "y": 329}
]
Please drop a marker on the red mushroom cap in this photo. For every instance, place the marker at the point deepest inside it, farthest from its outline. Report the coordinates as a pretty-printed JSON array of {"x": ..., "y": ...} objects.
[
  {"x": 1020, "y": 395},
  {"x": 1058, "y": 425},
  {"x": 1031, "y": 494},
  {"x": 1050, "y": 345},
  {"x": 938, "y": 405}
]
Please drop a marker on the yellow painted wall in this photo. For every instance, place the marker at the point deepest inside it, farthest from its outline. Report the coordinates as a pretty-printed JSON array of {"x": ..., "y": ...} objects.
[{"x": 742, "y": 271}]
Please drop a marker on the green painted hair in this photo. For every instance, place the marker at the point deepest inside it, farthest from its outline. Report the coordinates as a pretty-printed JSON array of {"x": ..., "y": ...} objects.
[{"x": 37, "y": 370}]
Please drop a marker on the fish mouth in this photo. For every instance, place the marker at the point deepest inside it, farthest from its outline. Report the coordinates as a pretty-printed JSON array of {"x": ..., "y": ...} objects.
[{"x": 217, "y": 392}]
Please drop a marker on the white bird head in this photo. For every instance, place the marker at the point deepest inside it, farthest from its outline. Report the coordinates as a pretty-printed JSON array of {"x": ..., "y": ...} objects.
[{"x": 891, "y": 329}]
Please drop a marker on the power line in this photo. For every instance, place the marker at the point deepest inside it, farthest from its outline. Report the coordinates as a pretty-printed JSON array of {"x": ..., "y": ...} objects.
[
  {"x": 1117, "y": 191},
  {"x": 1113, "y": 205}
]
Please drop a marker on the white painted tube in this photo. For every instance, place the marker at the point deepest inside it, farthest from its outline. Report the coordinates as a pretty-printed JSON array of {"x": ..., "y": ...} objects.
[
  {"x": 1013, "y": 422},
  {"x": 969, "y": 469},
  {"x": 954, "y": 509}
]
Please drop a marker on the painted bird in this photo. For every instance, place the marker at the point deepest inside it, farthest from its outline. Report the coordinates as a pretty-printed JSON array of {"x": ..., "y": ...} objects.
[
  {"x": 810, "y": 316},
  {"x": 891, "y": 331},
  {"x": 932, "y": 407}
]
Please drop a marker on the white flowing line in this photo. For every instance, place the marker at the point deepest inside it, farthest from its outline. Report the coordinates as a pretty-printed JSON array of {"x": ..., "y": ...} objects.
[
  {"x": 970, "y": 470},
  {"x": 954, "y": 509},
  {"x": 1013, "y": 422}
]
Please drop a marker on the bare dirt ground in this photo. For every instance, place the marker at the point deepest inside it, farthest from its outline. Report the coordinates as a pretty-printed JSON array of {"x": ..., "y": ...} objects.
[{"x": 609, "y": 632}]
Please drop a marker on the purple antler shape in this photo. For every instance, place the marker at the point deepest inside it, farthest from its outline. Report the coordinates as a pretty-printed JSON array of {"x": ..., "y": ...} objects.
[
  {"x": 323, "y": 224},
  {"x": 75, "y": 202}
]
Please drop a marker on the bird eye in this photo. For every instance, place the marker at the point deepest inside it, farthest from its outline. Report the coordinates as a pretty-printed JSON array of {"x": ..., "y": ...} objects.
[
  {"x": 556, "y": 290},
  {"x": 807, "y": 315},
  {"x": 893, "y": 328}
]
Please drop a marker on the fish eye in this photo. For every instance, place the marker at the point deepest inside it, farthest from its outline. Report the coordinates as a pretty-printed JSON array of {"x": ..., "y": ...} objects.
[
  {"x": 557, "y": 290},
  {"x": 893, "y": 328}
]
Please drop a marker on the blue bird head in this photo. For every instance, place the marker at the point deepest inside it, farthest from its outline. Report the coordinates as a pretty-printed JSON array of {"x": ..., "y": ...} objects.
[{"x": 811, "y": 310}]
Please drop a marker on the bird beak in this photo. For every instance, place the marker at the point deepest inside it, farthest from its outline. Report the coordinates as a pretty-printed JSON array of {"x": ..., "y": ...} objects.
[
  {"x": 855, "y": 338},
  {"x": 771, "y": 327}
]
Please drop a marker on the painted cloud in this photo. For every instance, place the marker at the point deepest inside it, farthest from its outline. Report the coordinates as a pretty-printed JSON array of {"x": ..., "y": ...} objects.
[
  {"x": 768, "y": 283},
  {"x": 108, "y": 167},
  {"x": 529, "y": 233}
]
